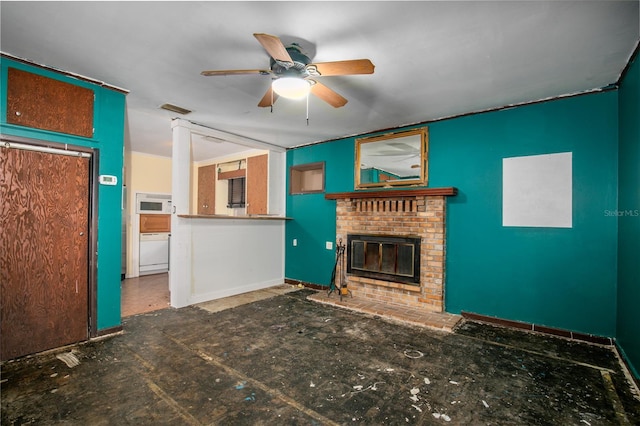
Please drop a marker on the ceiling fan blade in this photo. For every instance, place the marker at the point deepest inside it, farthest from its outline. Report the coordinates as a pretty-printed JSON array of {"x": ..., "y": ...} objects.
[
  {"x": 354, "y": 66},
  {"x": 235, "y": 72},
  {"x": 266, "y": 99},
  {"x": 274, "y": 47},
  {"x": 328, "y": 95}
]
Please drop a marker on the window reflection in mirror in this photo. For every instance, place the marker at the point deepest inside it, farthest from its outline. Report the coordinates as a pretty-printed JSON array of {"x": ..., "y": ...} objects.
[{"x": 392, "y": 159}]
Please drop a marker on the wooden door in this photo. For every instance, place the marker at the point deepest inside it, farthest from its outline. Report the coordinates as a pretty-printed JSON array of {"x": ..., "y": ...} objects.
[
  {"x": 207, "y": 189},
  {"x": 44, "y": 225},
  {"x": 257, "y": 184}
]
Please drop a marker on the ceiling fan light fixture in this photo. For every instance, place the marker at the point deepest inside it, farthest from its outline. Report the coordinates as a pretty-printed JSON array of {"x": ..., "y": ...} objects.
[{"x": 291, "y": 87}]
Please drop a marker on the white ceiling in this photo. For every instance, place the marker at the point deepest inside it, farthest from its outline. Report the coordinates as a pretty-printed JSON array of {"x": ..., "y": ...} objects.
[{"x": 433, "y": 59}]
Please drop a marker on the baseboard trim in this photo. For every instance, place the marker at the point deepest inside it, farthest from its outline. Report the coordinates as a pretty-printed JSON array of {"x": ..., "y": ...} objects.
[
  {"x": 306, "y": 284},
  {"x": 631, "y": 372},
  {"x": 559, "y": 332},
  {"x": 105, "y": 332}
]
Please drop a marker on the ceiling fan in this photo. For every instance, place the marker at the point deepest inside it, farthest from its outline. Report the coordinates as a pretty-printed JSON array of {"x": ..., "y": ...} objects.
[{"x": 294, "y": 75}]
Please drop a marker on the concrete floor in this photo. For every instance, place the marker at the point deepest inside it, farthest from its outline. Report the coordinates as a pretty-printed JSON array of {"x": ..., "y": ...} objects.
[{"x": 284, "y": 359}]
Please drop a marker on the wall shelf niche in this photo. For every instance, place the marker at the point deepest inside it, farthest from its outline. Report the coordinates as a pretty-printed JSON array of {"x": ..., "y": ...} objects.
[{"x": 306, "y": 178}]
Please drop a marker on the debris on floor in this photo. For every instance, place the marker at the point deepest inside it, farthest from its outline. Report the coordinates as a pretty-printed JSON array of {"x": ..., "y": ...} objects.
[
  {"x": 194, "y": 366},
  {"x": 69, "y": 358}
]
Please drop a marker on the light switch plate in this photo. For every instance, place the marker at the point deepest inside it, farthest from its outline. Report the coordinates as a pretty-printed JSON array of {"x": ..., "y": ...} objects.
[{"x": 329, "y": 245}]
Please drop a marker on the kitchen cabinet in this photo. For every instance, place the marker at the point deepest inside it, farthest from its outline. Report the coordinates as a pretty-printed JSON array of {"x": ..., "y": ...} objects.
[
  {"x": 207, "y": 189},
  {"x": 257, "y": 184},
  {"x": 254, "y": 170},
  {"x": 151, "y": 223}
]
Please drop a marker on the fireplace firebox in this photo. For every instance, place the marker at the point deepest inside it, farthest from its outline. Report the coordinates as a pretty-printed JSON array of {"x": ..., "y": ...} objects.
[{"x": 388, "y": 258}]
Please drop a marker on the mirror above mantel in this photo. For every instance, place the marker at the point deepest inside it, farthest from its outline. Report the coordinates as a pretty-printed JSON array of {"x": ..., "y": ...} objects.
[{"x": 392, "y": 159}]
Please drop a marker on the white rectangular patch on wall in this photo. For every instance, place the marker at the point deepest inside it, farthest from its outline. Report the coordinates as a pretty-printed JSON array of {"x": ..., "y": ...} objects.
[{"x": 537, "y": 191}]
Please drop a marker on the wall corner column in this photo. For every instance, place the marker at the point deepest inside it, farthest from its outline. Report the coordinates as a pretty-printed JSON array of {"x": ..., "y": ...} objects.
[{"x": 180, "y": 273}]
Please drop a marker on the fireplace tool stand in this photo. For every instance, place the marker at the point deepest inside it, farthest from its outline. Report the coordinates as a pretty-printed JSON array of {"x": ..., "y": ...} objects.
[{"x": 341, "y": 286}]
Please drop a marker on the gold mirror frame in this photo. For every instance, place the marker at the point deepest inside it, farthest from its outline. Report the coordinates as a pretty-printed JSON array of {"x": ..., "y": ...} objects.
[{"x": 392, "y": 159}]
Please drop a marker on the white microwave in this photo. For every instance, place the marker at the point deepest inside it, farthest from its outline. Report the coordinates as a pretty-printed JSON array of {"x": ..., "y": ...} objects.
[{"x": 153, "y": 203}]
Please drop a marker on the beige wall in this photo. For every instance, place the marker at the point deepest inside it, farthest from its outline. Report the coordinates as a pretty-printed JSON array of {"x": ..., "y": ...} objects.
[{"x": 147, "y": 173}]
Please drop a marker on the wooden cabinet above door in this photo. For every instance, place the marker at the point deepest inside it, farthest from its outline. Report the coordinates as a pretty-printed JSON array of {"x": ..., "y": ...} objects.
[{"x": 49, "y": 104}]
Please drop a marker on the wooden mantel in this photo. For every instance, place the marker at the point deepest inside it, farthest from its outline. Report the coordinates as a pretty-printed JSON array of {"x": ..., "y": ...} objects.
[{"x": 393, "y": 193}]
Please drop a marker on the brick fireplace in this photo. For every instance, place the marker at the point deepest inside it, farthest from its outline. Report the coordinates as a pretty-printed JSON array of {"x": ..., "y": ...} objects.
[{"x": 378, "y": 219}]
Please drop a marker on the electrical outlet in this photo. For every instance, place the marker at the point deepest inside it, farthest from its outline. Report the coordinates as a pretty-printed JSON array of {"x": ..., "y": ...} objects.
[
  {"x": 295, "y": 242},
  {"x": 329, "y": 245}
]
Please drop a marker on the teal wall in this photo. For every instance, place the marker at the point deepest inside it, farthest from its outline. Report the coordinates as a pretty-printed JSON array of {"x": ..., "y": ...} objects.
[
  {"x": 556, "y": 277},
  {"x": 108, "y": 139},
  {"x": 563, "y": 278},
  {"x": 314, "y": 217},
  {"x": 628, "y": 327}
]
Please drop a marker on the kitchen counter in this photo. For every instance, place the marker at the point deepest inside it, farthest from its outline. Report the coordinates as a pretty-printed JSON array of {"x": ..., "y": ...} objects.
[{"x": 221, "y": 216}]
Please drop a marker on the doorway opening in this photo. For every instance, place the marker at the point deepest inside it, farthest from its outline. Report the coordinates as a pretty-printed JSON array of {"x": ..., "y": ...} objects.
[{"x": 146, "y": 293}]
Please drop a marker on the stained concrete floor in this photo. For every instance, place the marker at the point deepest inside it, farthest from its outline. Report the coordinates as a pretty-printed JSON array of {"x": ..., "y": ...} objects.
[{"x": 286, "y": 360}]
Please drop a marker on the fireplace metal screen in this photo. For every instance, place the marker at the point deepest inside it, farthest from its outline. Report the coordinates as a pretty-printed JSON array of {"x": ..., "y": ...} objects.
[{"x": 387, "y": 258}]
